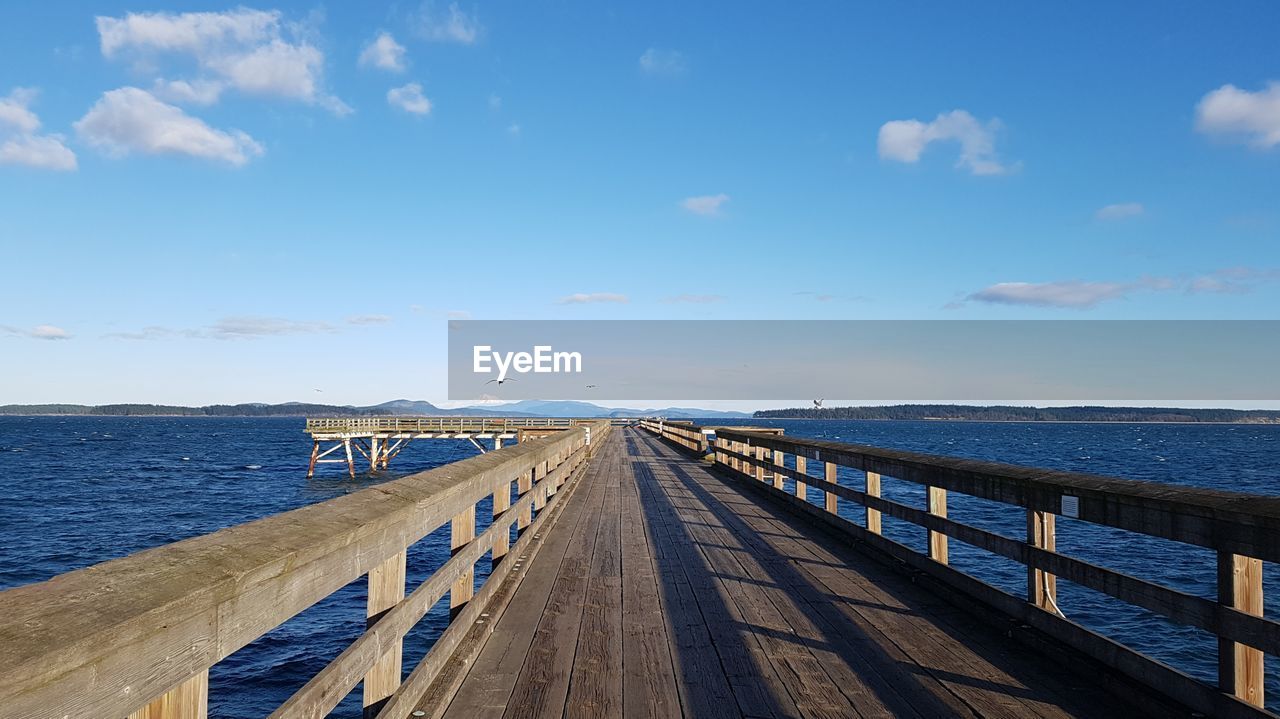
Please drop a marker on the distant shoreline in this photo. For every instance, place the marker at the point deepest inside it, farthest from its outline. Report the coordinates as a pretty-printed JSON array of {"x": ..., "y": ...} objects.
[{"x": 1020, "y": 414}]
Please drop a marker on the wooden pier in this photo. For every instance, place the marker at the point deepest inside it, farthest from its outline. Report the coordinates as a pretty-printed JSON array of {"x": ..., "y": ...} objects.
[
  {"x": 379, "y": 439},
  {"x": 664, "y": 570}
]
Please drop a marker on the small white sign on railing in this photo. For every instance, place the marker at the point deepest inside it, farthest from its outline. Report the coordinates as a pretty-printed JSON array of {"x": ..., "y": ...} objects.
[{"x": 1070, "y": 506}]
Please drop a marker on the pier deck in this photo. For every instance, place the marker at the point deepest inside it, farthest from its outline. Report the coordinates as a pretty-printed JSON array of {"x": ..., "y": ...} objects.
[
  {"x": 666, "y": 590},
  {"x": 665, "y": 570}
]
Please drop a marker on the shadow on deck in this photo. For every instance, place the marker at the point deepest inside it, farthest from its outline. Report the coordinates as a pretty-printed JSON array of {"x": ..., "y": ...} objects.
[{"x": 665, "y": 589}]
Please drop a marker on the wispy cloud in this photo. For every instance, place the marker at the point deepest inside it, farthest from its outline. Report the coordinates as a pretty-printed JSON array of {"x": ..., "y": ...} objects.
[
  {"x": 250, "y": 326},
  {"x": 1120, "y": 211},
  {"x": 1083, "y": 295},
  {"x": 705, "y": 205},
  {"x": 583, "y": 298},
  {"x": 495, "y": 102},
  {"x": 663, "y": 61},
  {"x": 694, "y": 299},
  {"x": 514, "y": 129},
  {"x": 384, "y": 53},
  {"x": 1075, "y": 294},
  {"x": 369, "y": 319},
  {"x": 39, "y": 332},
  {"x": 410, "y": 99},
  {"x": 1235, "y": 114},
  {"x": 906, "y": 140},
  {"x": 20, "y": 141},
  {"x": 254, "y": 52},
  {"x": 133, "y": 120},
  {"x": 457, "y": 315},
  {"x": 448, "y": 25}
]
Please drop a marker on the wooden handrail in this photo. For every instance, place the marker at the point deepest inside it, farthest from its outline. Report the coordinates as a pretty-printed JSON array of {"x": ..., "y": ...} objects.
[
  {"x": 437, "y": 424},
  {"x": 138, "y": 634},
  {"x": 1244, "y": 529}
]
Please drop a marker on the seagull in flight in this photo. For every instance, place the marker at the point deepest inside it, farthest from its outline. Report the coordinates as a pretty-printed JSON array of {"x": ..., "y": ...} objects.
[
  {"x": 591, "y": 386},
  {"x": 817, "y": 404},
  {"x": 500, "y": 381}
]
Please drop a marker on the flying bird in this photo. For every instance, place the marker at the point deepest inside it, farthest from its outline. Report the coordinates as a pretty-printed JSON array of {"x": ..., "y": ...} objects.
[
  {"x": 500, "y": 381},
  {"x": 591, "y": 386},
  {"x": 817, "y": 404}
]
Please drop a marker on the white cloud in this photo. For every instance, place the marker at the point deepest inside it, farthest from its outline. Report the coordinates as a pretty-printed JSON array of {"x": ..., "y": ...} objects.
[
  {"x": 1120, "y": 211},
  {"x": 659, "y": 61},
  {"x": 1232, "y": 280},
  {"x": 19, "y": 143},
  {"x": 384, "y": 53},
  {"x": 514, "y": 129},
  {"x": 252, "y": 51},
  {"x": 457, "y": 315},
  {"x": 246, "y": 327},
  {"x": 39, "y": 332},
  {"x": 368, "y": 320},
  {"x": 1068, "y": 293},
  {"x": 584, "y": 298},
  {"x": 132, "y": 120},
  {"x": 198, "y": 92},
  {"x": 905, "y": 140},
  {"x": 707, "y": 205},
  {"x": 451, "y": 25},
  {"x": 1253, "y": 117},
  {"x": 15, "y": 111},
  {"x": 46, "y": 152},
  {"x": 410, "y": 99},
  {"x": 1082, "y": 295},
  {"x": 495, "y": 102}
]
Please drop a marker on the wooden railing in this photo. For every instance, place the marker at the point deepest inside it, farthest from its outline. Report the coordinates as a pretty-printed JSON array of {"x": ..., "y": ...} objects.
[
  {"x": 1244, "y": 531},
  {"x": 136, "y": 636},
  {"x": 437, "y": 424}
]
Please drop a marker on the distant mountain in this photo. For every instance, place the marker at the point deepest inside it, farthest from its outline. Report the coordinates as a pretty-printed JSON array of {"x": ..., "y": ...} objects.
[
  {"x": 572, "y": 408},
  {"x": 397, "y": 407},
  {"x": 1028, "y": 414}
]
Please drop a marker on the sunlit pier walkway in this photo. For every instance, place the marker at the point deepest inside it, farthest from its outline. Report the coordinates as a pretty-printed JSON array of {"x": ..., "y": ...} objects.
[{"x": 663, "y": 569}]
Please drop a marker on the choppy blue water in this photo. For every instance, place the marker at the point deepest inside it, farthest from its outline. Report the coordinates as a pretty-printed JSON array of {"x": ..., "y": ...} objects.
[{"x": 80, "y": 490}]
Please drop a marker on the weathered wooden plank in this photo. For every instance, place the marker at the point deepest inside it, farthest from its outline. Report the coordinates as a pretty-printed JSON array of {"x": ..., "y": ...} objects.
[
  {"x": 386, "y": 589},
  {"x": 485, "y": 691},
  {"x": 543, "y": 682},
  {"x": 595, "y": 682},
  {"x": 649, "y": 689},
  {"x": 1240, "y": 667},
  {"x": 188, "y": 700}
]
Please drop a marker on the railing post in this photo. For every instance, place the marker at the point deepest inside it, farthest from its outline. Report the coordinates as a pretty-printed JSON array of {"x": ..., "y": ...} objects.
[
  {"x": 188, "y": 700},
  {"x": 937, "y": 497},
  {"x": 761, "y": 453},
  {"x": 523, "y": 484},
  {"x": 1240, "y": 667},
  {"x": 873, "y": 490},
  {"x": 502, "y": 542},
  {"x": 780, "y": 460},
  {"x": 832, "y": 502},
  {"x": 540, "y": 493},
  {"x": 386, "y": 589},
  {"x": 1042, "y": 588},
  {"x": 802, "y": 489},
  {"x": 461, "y": 531}
]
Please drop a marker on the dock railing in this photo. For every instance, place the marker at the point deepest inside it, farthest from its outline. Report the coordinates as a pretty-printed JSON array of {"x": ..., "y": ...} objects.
[
  {"x": 135, "y": 637},
  {"x": 1243, "y": 529},
  {"x": 436, "y": 424}
]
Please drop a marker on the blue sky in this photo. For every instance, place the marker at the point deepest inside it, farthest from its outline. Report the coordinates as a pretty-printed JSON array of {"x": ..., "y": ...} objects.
[{"x": 254, "y": 202}]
